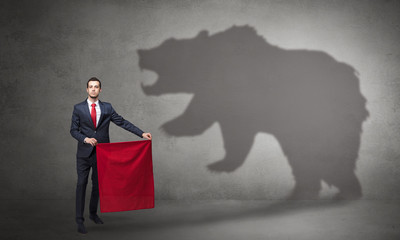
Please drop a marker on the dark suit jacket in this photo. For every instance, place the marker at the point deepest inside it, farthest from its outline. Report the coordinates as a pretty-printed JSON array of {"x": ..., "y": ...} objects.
[{"x": 82, "y": 126}]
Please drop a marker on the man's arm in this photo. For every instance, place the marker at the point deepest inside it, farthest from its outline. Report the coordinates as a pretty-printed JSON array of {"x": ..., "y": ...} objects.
[
  {"x": 120, "y": 121},
  {"x": 75, "y": 124}
]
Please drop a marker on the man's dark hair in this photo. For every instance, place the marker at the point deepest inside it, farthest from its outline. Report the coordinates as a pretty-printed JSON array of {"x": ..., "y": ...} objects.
[{"x": 93, "y": 79}]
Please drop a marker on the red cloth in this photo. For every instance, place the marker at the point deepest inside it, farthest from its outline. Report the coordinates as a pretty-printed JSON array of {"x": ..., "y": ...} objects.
[{"x": 125, "y": 172}]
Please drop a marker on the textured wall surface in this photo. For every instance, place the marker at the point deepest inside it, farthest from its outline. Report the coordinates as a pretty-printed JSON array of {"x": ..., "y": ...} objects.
[{"x": 288, "y": 93}]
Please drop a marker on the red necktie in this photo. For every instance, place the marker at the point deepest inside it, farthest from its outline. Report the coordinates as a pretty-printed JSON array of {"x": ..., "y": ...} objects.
[{"x": 93, "y": 114}]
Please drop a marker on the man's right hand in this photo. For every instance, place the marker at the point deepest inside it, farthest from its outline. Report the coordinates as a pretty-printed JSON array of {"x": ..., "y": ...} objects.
[{"x": 91, "y": 141}]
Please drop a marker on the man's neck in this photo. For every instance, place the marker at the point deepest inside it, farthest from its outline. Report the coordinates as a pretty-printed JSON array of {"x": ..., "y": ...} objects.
[{"x": 93, "y": 100}]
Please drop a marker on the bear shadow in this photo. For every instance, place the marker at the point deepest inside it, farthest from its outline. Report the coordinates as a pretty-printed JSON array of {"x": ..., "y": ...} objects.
[{"x": 310, "y": 102}]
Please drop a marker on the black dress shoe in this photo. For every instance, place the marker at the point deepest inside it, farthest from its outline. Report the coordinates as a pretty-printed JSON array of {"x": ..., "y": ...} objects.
[
  {"x": 81, "y": 228},
  {"x": 96, "y": 219}
]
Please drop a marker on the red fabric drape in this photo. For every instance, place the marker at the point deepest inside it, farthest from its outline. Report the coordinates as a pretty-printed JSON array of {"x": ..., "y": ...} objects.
[{"x": 125, "y": 172}]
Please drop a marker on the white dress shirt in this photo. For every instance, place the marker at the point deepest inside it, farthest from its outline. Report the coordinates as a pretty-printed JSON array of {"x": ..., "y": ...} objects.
[{"x": 98, "y": 110}]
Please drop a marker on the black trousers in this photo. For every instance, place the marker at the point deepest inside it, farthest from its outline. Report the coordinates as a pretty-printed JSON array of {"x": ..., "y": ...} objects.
[{"x": 83, "y": 166}]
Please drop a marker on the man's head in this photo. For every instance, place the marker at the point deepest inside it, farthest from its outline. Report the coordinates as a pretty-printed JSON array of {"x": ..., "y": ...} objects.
[{"x": 93, "y": 88}]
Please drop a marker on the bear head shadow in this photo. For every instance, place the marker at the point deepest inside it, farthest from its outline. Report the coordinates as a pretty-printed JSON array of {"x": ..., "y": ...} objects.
[{"x": 307, "y": 100}]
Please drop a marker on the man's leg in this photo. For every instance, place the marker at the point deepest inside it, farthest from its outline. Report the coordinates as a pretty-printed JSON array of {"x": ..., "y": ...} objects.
[
  {"x": 83, "y": 168},
  {"x": 94, "y": 198}
]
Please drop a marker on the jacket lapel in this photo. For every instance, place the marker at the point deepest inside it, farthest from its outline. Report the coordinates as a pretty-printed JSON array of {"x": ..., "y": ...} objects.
[
  {"x": 101, "y": 113},
  {"x": 87, "y": 112}
]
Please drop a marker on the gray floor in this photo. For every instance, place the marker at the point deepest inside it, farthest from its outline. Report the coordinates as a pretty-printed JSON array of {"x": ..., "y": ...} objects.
[{"x": 223, "y": 219}]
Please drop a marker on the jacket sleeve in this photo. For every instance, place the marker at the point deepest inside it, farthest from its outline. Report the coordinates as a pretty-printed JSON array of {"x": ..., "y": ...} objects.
[
  {"x": 121, "y": 122},
  {"x": 75, "y": 126}
]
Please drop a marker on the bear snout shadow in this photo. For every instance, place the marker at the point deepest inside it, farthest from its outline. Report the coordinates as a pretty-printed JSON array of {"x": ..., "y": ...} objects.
[{"x": 310, "y": 102}]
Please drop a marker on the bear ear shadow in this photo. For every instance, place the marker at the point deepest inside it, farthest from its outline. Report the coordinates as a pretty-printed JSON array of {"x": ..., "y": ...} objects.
[{"x": 203, "y": 34}]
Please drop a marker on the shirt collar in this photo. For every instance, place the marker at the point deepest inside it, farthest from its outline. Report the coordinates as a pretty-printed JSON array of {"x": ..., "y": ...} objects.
[{"x": 90, "y": 103}]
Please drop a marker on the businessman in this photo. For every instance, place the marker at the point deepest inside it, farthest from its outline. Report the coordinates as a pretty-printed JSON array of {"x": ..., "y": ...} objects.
[{"x": 90, "y": 126}]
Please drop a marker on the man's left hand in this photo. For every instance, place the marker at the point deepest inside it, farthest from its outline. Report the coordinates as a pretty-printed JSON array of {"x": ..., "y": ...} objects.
[{"x": 147, "y": 136}]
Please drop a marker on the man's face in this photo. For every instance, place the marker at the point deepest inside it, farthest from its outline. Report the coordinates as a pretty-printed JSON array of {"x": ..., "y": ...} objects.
[{"x": 93, "y": 89}]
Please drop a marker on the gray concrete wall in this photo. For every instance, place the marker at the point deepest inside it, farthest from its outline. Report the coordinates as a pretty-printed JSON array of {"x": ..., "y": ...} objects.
[{"x": 50, "y": 48}]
